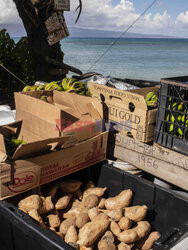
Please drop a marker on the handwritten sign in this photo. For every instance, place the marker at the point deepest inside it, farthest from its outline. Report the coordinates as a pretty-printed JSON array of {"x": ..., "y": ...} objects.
[
  {"x": 56, "y": 28},
  {"x": 62, "y": 5}
]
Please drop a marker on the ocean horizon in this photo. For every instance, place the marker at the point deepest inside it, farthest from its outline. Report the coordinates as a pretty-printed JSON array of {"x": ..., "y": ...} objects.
[{"x": 136, "y": 58}]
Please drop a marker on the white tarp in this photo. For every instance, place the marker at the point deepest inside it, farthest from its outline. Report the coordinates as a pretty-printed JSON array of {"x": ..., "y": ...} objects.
[{"x": 6, "y": 115}]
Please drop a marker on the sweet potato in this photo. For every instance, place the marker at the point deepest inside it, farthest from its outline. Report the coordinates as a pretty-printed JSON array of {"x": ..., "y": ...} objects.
[
  {"x": 63, "y": 202},
  {"x": 147, "y": 242},
  {"x": 136, "y": 213},
  {"x": 47, "y": 205},
  {"x": 125, "y": 223},
  {"x": 140, "y": 231},
  {"x": 91, "y": 231},
  {"x": 123, "y": 246},
  {"x": 66, "y": 224},
  {"x": 109, "y": 235},
  {"x": 31, "y": 202},
  {"x": 113, "y": 214},
  {"x": 101, "y": 203},
  {"x": 91, "y": 201},
  {"x": 54, "y": 220},
  {"x": 82, "y": 219},
  {"x": 71, "y": 235},
  {"x": 70, "y": 186},
  {"x": 93, "y": 212},
  {"x": 120, "y": 201},
  {"x": 114, "y": 227},
  {"x": 76, "y": 208},
  {"x": 86, "y": 248},
  {"x": 95, "y": 190},
  {"x": 106, "y": 244},
  {"x": 35, "y": 215}
]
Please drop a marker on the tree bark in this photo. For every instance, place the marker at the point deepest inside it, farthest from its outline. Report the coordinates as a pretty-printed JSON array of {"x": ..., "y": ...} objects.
[{"x": 33, "y": 14}]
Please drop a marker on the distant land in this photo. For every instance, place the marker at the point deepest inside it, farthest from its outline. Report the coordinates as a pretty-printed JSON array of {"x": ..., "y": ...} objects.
[{"x": 16, "y": 30}]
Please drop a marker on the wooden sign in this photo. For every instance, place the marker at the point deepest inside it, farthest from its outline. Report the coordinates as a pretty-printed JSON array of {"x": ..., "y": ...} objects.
[
  {"x": 56, "y": 28},
  {"x": 62, "y": 5}
]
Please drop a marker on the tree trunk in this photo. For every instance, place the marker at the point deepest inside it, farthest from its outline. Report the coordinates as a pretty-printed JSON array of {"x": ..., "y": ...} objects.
[{"x": 33, "y": 14}]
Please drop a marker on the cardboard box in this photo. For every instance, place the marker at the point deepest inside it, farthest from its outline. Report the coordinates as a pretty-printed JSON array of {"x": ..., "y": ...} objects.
[
  {"x": 128, "y": 110},
  {"x": 70, "y": 114},
  {"x": 156, "y": 160},
  {"x": 40, "y": 162}
]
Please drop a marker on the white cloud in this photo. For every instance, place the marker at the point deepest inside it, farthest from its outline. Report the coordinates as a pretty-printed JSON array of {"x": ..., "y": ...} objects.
[
  {"x": 8, "y": 13},
  {"x": 102, "y": 14},
  {"x": 182, "y": 19}
]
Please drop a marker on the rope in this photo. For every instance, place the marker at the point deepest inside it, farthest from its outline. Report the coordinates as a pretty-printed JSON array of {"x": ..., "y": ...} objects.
[
  {"x": 106, "y": 51},
  {"x": 13, "y": 74}
]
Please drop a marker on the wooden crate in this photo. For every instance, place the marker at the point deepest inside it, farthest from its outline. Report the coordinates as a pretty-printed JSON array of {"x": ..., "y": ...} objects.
[{"x": 154, "y": 159}]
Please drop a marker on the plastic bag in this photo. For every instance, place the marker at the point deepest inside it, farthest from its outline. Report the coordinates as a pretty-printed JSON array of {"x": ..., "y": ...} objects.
[{"x": 6, "y": 115}]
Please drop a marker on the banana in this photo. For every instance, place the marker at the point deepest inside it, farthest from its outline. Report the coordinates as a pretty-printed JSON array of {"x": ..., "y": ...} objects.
[
  {"x": 17, "y": 142},
  {"x": 26, "y": 88},
  {"x": 180, "y": 107},
  {"x": 171, "y": 128},
  {"x": 33, "y": 88},
  {"x": 44, "y": 98},
  {"x": 67, "y": 83},
  {"x": 151, "y": 99},
  {"x": 42, "y": 87}
]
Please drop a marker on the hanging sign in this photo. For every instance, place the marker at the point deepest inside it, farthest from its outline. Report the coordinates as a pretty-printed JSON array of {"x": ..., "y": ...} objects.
[
  {"x": 62, "y": 5},
  {"x": 56, "y": 28}
]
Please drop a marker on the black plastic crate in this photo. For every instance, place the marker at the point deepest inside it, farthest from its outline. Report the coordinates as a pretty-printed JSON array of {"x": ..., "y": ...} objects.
[
  {"x": 167, "y": 212},
  {"x": 171, "y": 129}
]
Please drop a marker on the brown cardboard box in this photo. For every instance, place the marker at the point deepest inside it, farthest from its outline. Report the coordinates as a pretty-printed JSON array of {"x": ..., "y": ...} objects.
[
  {"x": 40, "y": 162},
  {"x": 117, "y": 104},
  {"x": 156, "y": 160},
  {"x": 71, "y": 114}
]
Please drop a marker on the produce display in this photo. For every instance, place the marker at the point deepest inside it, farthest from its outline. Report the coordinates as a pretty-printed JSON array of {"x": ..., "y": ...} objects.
[
  {"x": 85, "y": 220},
  {"x": 69, "y": 85},
  {"x": 177, "y": 118}
]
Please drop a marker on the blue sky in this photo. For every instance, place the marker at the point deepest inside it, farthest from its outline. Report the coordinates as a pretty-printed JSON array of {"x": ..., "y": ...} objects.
[
  {"x": 166, "y": 17},
  {"x": 174, "y": 7}
]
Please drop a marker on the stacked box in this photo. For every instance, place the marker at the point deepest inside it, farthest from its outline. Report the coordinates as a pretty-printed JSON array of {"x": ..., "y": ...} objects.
[{"x": 127, "y": 110}]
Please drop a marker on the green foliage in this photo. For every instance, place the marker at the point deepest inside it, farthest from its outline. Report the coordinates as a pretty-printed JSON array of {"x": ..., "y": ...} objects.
[{"x": 17, "y": 57}]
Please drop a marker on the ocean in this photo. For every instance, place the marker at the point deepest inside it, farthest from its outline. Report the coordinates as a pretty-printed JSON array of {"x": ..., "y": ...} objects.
[
  {"x": 147, "y": 59},
  {"x": 136, "y": 58}
]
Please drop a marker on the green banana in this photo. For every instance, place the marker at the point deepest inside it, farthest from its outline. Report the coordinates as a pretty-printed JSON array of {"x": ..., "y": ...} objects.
[
  {"x": 44, "y": 98},
  {"x": 171, "y": 128},
  {"x": 151, "y": 99},
  {"x": 17, "y": 142},
  {"x": 26, "y": 88},
  {"x": 42, "y": 87}
]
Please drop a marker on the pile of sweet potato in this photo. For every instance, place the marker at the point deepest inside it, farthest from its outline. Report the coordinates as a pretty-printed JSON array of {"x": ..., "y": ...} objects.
[{"x": 85, "y": 220}]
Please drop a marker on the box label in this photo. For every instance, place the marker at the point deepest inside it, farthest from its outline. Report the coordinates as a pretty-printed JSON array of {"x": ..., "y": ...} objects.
[{"x": 23, "y": 182}]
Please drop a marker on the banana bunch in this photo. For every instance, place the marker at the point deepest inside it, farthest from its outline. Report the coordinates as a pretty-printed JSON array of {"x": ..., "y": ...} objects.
[
  {"x": 69, "y": 85},
  {"x": 152, "y": 100},
  {"x": 177, "y": 118}
]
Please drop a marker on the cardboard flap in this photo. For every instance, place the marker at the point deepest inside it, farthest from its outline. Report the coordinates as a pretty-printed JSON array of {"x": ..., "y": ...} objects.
[
  {"x": 41, "y": 109},
  {"x": 30, "y": 149},
  {"x": 83, "y": 107},
  {"x": 11, "y": 129},
  {"x": 70, "y": 99}
]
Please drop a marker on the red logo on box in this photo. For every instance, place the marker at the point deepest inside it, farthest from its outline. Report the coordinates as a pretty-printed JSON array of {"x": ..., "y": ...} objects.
[{"x": 23, "y": 182}]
